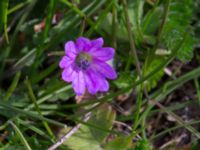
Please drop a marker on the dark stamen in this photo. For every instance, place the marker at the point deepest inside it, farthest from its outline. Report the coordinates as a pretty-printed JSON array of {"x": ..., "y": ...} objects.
[
  {"x": 83, "y": 64},
  {"x": 83, "y": 61}
]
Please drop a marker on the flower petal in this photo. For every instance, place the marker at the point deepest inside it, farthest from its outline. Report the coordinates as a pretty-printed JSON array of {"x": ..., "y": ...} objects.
[
  {"x": 83, "y": 44},
  {"x": 78, "y": 83},
  {"x": 65, "y": 62},
  {"x": 103, "y": 54},
  {"x": 104, "y": 69},
  {"x": 67, "y": 74},
  {"x": 91, "y": 81},
  {"x": 104, "y": 85},
  {"x": 70, "y": 49},
  {"x": 97, "y": 42}
]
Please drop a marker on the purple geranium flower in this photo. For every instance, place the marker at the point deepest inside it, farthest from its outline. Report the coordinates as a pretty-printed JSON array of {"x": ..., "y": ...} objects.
[{"x": 84, "y": 64}]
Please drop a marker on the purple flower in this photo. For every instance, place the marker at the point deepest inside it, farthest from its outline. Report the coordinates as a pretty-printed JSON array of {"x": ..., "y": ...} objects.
[{"x": 84, "y": 64}]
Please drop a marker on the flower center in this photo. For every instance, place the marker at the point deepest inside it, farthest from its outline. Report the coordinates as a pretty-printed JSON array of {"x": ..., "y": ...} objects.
[{"x": 83, "y": 60}]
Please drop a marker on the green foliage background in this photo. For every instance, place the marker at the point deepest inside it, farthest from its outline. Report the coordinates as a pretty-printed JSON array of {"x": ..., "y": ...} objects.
[{"x": 37, "y": 108}]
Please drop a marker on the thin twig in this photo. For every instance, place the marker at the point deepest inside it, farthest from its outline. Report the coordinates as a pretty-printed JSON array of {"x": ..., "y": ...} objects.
[
  {"x": 123, "y": 124},
  {"x": 70, "y": 133},
  {"x": 128, "y": 127}
]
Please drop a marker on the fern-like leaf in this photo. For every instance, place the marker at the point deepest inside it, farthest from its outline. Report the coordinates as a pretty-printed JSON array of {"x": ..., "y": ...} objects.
[{"x": 176, "y": 26}]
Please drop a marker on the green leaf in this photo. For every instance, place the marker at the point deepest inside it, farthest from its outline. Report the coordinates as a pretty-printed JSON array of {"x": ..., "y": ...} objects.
[
  {"x": 152, "y": 20},
  {"x": 178, "y": 22},
  {"x": 88, "y": 137},
  {"x": 185, "y": 53},
  {"x": 143, "y": 145},
  {"x": 124, "y": 79},
  {"x": 121, "y": 33},
  {"x": 151, "y": 83},
  {"x": 120, "y": 143},
  {"x": 135, "y": 11}
]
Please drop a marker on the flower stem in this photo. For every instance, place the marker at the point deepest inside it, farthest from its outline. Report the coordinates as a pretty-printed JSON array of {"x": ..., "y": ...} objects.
[
  {"x": 131, "y": 40},
  {"x": 137, "y": 63}
]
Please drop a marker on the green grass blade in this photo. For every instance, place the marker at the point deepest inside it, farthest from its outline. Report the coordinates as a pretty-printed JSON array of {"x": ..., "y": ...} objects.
[
  {"x": 34, "y": 128},
  {"x": 50, "y": 12},
  {"x": 174, "y": 128},
  {"x": 95, "y": 26},
  {"x": 44, "y": 73},
  {"x": 3, "y": 17},
  {"x": 7, "y": 51},
  {"x": 178, "y": 119},
  {"x": 30, "y": 114},
  {"x": 17, "y": 7},
  {"x": 21, "y": 136},
  {"x": 12, "y": 86},
  {"x": 169, "y": 87},
  {"x": 33, "y": 98},
  {"x": 196, "y": 83}
]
